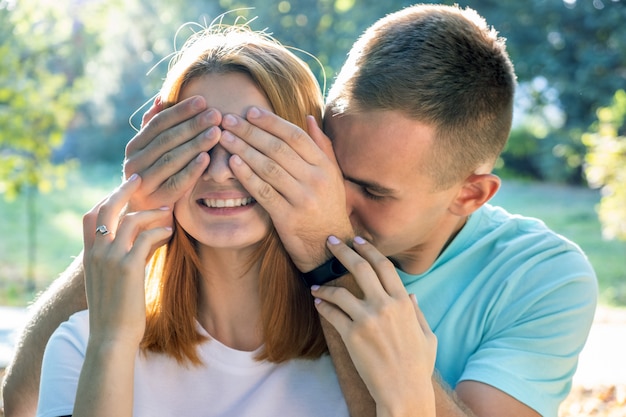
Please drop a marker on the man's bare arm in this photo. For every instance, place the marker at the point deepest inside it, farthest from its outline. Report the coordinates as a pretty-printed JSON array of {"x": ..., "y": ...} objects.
[
  {"x": 360, "y": 402},
  {"x": 65, "y": 296}
]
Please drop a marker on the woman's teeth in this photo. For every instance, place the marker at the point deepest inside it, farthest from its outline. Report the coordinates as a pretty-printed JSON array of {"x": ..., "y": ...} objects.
[{"x": 229, "y": 202}]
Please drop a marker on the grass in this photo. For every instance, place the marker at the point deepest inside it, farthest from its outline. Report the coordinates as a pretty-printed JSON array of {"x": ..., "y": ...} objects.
[
  {"x": 58, "y": 234},
  {"x": 568, "y": 210}
]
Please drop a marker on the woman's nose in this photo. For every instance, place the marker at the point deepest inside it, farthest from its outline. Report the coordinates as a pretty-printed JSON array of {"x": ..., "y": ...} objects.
[{"x": 218, "y": 169}]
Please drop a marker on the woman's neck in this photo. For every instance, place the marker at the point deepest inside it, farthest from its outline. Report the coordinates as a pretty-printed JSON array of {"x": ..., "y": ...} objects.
[{"x": 229, "y": 305}]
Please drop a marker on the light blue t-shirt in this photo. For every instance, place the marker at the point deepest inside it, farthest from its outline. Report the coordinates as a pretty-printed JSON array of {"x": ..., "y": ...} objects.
[{"x": 511, "y": 303}]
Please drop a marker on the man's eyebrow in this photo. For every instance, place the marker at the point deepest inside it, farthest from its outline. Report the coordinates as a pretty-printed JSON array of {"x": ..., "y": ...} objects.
[{"x": 370, "y": 185}]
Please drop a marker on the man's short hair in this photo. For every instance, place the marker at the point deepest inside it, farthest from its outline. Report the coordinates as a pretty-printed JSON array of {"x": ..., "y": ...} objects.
[{"x": 440, "y": 65}]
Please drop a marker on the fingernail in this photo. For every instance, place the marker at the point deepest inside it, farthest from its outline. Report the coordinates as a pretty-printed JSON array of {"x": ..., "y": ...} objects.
[
  {"x": 236, "y": 160},
  {"x": 200, "y": 157},
  {"x": 359, "y": 240},
  {"x": 315, "y": 287},
  {"x": 317, "y": 301},
  {"x": 212, "y": 132},
  {"x": 164, "y": 208},
  {"x": 133, "y": 177},
  {"x": 228, "y": 137},
  {"x": 253, "y": 113},
  {"x": 197, "y": 103},
  {"x": 208, "y": 116},
  {"x": 229, "y": 120},
  {"x": 333, "y": 240}
]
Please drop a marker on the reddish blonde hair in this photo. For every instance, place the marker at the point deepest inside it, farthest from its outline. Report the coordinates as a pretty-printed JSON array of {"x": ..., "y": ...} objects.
[{"x": 290, "y": 324}]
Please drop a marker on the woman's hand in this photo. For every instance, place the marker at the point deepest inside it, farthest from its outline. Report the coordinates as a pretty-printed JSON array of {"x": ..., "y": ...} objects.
[
  {"x": 386, "y": 334},
  {"x": 115, "y": 260}
]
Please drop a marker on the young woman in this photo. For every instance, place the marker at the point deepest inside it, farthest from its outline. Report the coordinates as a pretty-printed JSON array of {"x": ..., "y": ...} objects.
[{"x": 221, "y": 324}]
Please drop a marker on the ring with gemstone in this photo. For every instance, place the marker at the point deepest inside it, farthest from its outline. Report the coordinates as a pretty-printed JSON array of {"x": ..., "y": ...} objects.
[{"x": 102, "y": 229}]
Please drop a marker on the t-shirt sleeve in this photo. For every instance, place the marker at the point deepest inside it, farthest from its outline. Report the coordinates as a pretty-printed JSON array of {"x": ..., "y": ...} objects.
[
  {"x": 539, "y": 326},
  {"x": 62, "y": 364}
]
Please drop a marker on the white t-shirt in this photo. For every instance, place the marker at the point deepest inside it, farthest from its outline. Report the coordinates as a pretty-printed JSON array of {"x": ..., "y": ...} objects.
[{"x": 230, "y": 383}]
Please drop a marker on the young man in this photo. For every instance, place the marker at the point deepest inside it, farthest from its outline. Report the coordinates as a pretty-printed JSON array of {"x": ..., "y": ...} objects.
[{"x": 417, "y": 119}]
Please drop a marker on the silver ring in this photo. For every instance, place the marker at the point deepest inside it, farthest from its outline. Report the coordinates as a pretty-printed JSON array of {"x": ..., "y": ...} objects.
[{"x": 102, "y": 229}]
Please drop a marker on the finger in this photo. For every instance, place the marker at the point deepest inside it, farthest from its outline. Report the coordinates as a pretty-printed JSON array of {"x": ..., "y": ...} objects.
[
  {"x": 109, "y": 211},
  {"x": 146, "y": 241},
  {"x": 273, "y": 168},
  {"x": 133, "y": 225},
  {"x": 89, "y": 225},
  {"x": 320, "y": 139},
  {"x": 275, "y": 137},
  {"x": 335, "y": 316},
  {"x": 384, "y": 268},
  {"x": 363, "y": 272},
  {"x": 257, "y": 181},
  {"x": 171, "y": 148},
  {"x": 420, "y": 316},
  {"x": 166, "y": 119},
  {"x": 156, "y": 107},
  {"x": 179, "y": 164},
  {"x": 341, "y": 299},
  {"x": 269, "y": 157}
]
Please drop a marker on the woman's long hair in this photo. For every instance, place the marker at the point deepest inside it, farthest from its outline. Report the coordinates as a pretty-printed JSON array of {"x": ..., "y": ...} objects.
[{"x": 289, "y": 321}]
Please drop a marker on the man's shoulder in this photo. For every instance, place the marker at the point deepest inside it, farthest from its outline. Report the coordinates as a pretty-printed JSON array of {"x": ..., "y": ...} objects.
[
  {"x": 524, "y": 250},
  {"x": 510, "y": 245},
  {"x": 498, "y": 223}
]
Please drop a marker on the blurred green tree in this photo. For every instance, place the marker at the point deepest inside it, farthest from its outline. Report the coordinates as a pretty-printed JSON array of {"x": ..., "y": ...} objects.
[
  {"x": 606, "y": 164},
  {"x": 570, "y": 57},
  {"x": 36, "y": 105},
  {"x": 127, "y": 61},
  {"x": 135, "y": 36}
]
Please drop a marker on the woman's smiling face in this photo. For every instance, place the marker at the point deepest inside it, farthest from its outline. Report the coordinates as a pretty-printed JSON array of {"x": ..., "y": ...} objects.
[{"x": 218, "y": 212}]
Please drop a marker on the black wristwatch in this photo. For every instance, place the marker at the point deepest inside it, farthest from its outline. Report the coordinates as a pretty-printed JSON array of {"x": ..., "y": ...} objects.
[{"x": 328, "y": 271}]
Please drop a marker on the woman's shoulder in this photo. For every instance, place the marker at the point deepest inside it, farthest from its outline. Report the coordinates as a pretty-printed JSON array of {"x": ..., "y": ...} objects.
[{"x": 75, "y": 328}]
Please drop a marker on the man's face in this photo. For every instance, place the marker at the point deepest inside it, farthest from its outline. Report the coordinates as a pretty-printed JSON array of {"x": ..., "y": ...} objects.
[{"x": 390, "y": 196}]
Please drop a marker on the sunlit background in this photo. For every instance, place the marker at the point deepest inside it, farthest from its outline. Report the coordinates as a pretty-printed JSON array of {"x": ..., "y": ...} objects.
[{"x": 72, "y": 72}]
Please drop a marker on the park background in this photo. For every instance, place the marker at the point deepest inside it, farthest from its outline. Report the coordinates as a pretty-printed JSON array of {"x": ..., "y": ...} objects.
[{"x": 73, "y": 72}]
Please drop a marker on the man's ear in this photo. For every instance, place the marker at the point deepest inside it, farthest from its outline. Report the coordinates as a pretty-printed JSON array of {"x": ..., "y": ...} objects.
[{"x": 475, "y": 191}]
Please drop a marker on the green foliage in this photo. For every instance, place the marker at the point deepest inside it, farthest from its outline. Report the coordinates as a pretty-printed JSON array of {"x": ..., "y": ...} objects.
[
  {"x": 36, "y": 103},
  {"x": 516, "y": 159},
  {"x": 129, "y": 39},
  {"x": 606, "y": 164},
  {"x": 570, "y": 57}
]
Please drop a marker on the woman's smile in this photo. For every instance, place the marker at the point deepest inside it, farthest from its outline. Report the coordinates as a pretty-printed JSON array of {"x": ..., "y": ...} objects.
[{"x": 229, "y": 202}]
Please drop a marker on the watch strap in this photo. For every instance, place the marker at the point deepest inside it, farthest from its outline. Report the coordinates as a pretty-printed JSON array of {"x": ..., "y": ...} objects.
[{"x": 328, "y": 271}]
